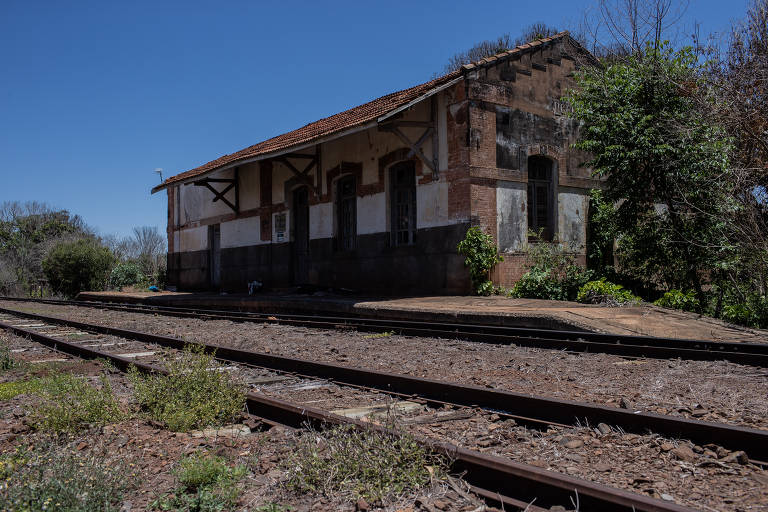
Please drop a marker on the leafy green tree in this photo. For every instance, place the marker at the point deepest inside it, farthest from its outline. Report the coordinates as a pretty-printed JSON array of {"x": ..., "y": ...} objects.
[
  {"x": 662, "y": 164},
  {"x": 72, "y": 267}
]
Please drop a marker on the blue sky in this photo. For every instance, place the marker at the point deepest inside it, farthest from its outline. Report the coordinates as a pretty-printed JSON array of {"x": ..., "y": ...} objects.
[{"x": 94, "y": 96}]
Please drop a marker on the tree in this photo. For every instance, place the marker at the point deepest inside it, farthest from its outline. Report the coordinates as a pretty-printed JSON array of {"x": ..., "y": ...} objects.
[
  {"x": 662, "y": 164},
  {"x": 72, "y": 267},
  {"x": 27, "y": 233},
  {"x": 738, "y": 79}
]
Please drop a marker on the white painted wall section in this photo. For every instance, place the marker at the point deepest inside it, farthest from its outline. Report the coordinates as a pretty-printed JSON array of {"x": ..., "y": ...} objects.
[
  {"x": 321, "y": 220},
  {"x": 241, "y": 232},
  {"x": 372, "y": 214},
  {"x": 194, "y": 239},
  {"x": 432, "y": 205}
]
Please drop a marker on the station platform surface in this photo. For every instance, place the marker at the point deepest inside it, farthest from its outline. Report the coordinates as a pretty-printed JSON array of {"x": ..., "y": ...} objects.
[{"x": 643, "y": 319}]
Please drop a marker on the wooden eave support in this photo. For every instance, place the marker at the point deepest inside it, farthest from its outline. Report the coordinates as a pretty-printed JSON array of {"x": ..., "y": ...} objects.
[
  {"x": 430, "y": 131},
  {"x": 219, "y": 194},
  {"x": 303, "y": 176}
]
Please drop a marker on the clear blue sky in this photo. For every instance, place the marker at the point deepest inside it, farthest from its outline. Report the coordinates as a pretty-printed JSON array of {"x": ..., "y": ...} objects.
[{"x": 94, "y": 96}]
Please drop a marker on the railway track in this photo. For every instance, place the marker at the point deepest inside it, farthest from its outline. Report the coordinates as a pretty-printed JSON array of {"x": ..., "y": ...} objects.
[
  {"x": 499, "y": 480},
  {"x": 529, "y": 410},
  {"x": 754, "y": 354}
]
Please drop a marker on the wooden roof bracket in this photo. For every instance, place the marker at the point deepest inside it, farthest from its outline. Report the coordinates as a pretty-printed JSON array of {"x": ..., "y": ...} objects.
[
  {"x": 430, "y": 130},
  {"x": 232, "y": 183},
  {"x": 303, "y": 176}
]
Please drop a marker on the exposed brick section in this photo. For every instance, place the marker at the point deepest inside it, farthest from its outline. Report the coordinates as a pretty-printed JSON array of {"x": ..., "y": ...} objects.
[{"x": 484, "y": 205}]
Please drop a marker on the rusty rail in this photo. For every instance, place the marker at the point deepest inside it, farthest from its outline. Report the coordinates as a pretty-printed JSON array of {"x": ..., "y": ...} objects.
[
  {"x": 527, "y": 408},
  {"x": 753, "y": 354},
  {"x": 498, "y": 479}
]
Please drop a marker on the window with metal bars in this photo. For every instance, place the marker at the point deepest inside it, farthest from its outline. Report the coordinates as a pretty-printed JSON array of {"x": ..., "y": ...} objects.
[
  {"x": 540, "y": 192},
  {"x": 346, "y": 194},
  {"x": 403, "y": 205}
]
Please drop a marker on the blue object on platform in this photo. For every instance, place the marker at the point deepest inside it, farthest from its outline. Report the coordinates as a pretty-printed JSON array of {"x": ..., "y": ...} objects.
[{"x": 154, "y": 288}]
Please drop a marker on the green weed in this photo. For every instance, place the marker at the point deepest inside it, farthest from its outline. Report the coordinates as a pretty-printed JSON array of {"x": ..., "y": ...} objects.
[
  {"x": 6, "y": 361},
  {"x": 193, "y": 394},
  {"x": 206, "y": 483},
  {"x": 67, "y": 402},
  {"x": 385, "y": 334},
  {"x": 60, "y": 478},
  {"x": 353, "y": 464}
]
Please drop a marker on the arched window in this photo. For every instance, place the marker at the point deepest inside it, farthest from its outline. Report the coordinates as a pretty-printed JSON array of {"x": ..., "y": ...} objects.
[
  {"x": 402, "y": 178},
  {"x": 540, "y": 196}
]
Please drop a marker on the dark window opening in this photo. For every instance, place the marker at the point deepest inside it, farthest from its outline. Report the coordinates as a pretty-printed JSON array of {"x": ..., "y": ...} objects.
[
  {"x": 347, "y": 213},
  {"x": 403, "y": 181},
  {"x": 540, "y": 192}
]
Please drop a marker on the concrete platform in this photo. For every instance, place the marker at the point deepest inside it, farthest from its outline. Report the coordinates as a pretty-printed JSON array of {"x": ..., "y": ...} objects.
[{"x": 644, "y": 319}]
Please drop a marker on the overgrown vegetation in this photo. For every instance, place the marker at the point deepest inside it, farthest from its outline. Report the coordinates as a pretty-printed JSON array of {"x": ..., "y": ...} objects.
[
  {"x": 606, "y": 292},
  {"x": 72, "y": 267},
  {"x": 679, "y": 136},
  {"x": 675, "y": 299},
  {"x": 33, "y": 233},
  {"x": 480, "y": 256},
  {"x": 50, "y": 477},
  {"x": 554, "y": 272},
  {"x": 350, "y": 463},
  {"x": 194, "y": 394},
  {"x": 207, "y": 483},
  {"x": 66, "y": 402},
  {"x": 27, "y": 232},
  {"x": 127, "y": 273}
]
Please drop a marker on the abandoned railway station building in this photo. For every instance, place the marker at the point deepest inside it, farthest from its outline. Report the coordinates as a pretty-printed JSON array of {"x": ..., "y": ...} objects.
[{"x": 377, "y": 197}]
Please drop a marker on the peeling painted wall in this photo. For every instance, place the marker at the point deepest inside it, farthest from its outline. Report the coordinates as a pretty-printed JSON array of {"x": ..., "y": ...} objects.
[
  {"x": 194, "y": 239},
  {"x": 511, "y": 215},
  {"x": 572, "y": 205}
]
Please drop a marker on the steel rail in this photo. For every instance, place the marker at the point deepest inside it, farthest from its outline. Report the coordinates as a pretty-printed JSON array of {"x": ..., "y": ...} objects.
[
  {"x": 753, "y": 354},
  {"x": 496, "y": 478},
  {"x": 541, "y": 409}
]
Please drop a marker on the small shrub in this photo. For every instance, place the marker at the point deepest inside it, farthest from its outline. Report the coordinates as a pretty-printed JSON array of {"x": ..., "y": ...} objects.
[
  {"x": 480, "y": 255},
  {"x": 60, "y": 478},
  {"x": 753, "y": 312},
  {"x": 554, "y": 274},
  {"x": 193, "y": 394},
  {"x": 606, "y": 292},
  {"x": 206, "y": 483},
  {"x": 125, "y": 274},
  {"x": 72, "y": 267},
  {"x": 676, "y": 299},
  {"x": 354, "y": 463}
]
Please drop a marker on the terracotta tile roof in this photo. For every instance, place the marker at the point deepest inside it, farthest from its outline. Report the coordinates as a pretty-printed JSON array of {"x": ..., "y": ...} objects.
[{"x": 354, "y": 117}]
